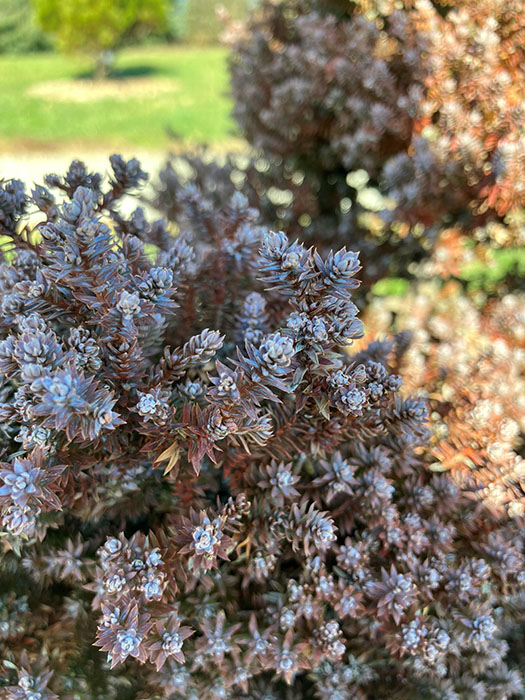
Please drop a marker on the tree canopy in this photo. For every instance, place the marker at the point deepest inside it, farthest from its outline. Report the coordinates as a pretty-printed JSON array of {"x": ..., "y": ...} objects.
[{"x": 95, "y": 26}]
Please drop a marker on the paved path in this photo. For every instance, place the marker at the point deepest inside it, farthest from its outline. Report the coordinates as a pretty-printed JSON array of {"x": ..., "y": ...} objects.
[{"x": 32, "y": 166}]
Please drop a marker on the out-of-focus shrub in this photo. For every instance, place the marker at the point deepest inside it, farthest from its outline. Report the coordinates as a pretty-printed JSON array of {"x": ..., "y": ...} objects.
[
  {"x": 352, "y": 120},
  {"x": 395, "y": 129},
  {"x": 429, "y": 100},
  {"x": 191, "y": 457},
  {"x": 470, "y": 364}
]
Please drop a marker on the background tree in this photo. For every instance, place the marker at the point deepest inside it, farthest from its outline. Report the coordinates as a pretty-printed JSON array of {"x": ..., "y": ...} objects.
[
  {"x": 98, "y": 27},
  {"x": 19, "y": 32}
]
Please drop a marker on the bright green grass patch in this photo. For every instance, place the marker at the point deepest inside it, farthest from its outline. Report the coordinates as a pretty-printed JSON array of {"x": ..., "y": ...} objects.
[{"x": 197, "y": 109}]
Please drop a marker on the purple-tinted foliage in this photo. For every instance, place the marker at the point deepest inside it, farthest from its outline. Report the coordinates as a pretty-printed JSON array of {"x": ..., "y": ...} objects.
[{"x": 202, "y": 478}]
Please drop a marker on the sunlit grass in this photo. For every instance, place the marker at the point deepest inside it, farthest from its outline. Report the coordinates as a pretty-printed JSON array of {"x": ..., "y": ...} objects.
[{"x": 197, "y": 109}]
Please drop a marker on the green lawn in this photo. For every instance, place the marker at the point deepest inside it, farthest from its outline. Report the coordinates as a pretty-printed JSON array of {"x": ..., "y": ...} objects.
[{"x": 197, "y": 109}]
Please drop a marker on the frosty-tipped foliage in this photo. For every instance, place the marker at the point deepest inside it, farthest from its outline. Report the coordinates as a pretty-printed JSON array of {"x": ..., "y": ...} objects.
[{"x": 202, "y": 479}]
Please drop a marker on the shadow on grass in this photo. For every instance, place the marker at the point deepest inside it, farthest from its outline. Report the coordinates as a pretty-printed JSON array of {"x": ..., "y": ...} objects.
[{"x": 123, "y": 73}]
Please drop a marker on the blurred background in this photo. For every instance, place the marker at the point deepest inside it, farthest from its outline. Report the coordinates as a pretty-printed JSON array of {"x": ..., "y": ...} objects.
[{"x": 81, "y": 79}]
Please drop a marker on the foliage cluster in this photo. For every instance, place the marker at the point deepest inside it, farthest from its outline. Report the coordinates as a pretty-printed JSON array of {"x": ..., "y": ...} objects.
[
  {"x": 409, "y": 150},
  {"x": 428, "y": 99},
  {"x": 469, "y": 363},
  {"x": 303, "y": 204},
  {"x": 190, "y": 457},
  {"x": 214, "y": 481}
]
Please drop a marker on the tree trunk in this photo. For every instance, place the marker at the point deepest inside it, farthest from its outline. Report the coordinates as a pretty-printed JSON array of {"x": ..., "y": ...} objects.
[{"x": 103, "y": 65}]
